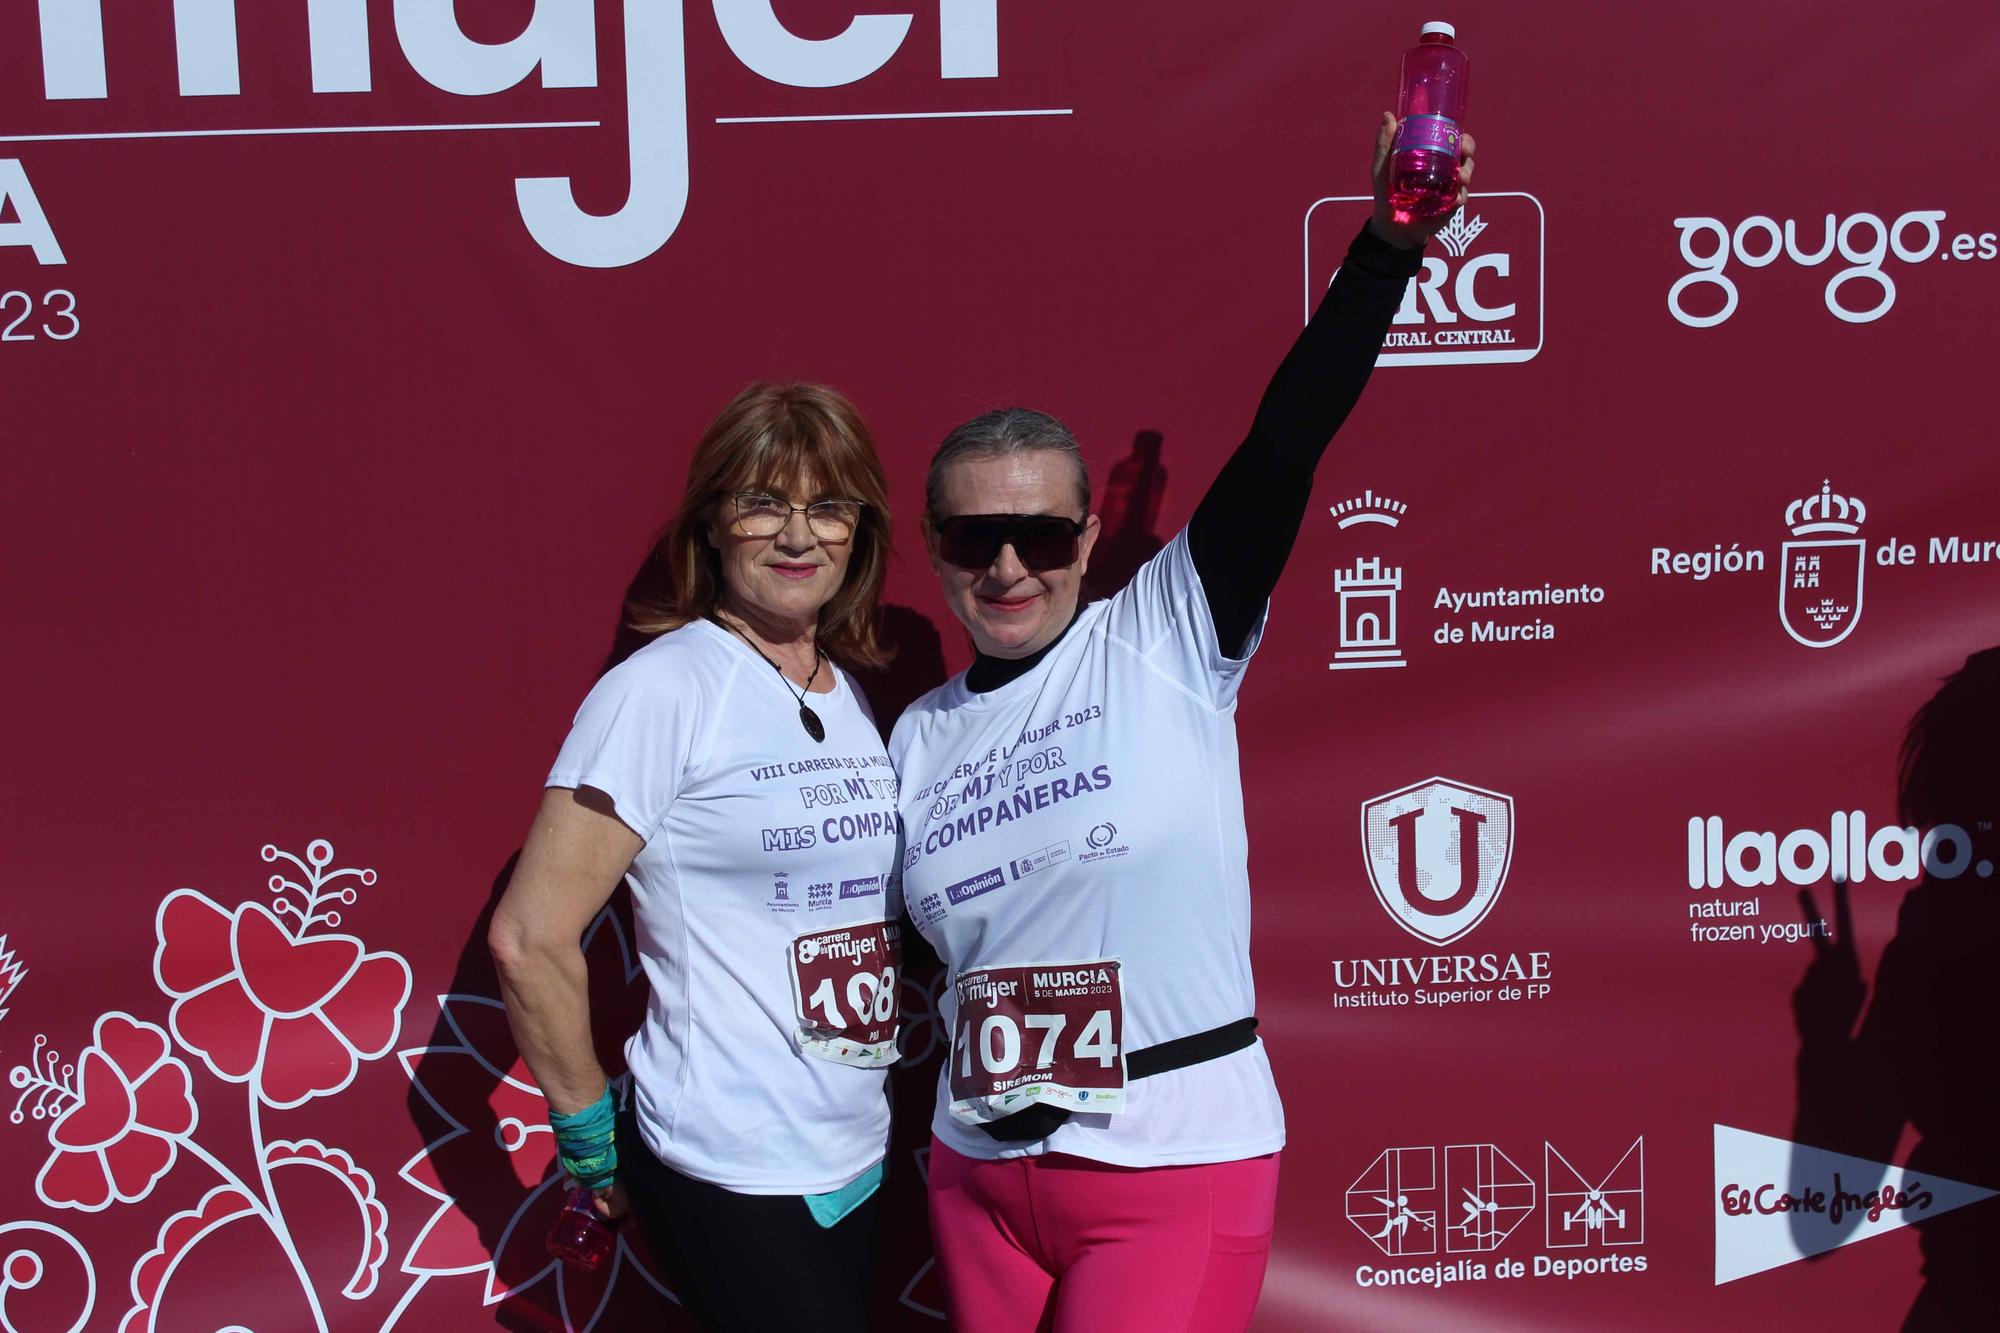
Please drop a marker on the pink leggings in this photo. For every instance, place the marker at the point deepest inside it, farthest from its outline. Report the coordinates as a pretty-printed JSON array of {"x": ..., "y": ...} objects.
[{"x": 1059, "y": 1243}]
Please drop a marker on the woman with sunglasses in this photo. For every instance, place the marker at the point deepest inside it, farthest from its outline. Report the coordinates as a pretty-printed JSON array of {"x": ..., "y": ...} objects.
[
  {"x": 731, "y": 771},
  {"x": 1105, "y": 1144}
]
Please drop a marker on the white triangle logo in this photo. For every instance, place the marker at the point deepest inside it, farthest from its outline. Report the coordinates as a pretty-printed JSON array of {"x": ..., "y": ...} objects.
[{"x": 1777, "y": 1201}]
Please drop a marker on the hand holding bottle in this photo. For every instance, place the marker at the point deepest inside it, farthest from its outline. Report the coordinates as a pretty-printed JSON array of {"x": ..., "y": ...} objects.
[
  {"x": 1397, "y": 226},
  {"x": 610, "y": 1202}
]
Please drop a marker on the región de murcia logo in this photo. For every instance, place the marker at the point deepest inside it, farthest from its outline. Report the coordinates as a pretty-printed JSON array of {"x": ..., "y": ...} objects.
[
  {"x": 1819, "y": 591},
  {"x": 1823, "y": 564}
]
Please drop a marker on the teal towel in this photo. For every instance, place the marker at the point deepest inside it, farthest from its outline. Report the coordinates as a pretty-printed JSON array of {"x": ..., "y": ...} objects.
[{"x": 829, "y": 1208}]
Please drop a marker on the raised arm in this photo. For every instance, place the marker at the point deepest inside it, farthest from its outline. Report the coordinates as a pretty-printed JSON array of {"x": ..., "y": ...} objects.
[{"x": 1242, "y": 531}]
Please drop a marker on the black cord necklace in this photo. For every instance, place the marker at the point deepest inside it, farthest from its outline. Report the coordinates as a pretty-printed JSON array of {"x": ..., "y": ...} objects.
[{"x": 807, "y": 718}]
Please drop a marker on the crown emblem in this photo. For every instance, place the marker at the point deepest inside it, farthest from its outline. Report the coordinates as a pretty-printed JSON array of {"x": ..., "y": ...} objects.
[
  {"x": 1459, "y": 234},
  {"x": 1825, "y": 512},
  {"x": 1369, "y": 507}
]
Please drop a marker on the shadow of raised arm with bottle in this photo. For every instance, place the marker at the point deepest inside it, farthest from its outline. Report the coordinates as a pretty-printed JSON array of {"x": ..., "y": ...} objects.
[
  {"x": 1130, "y": 510},
  {"x": 1919, "y": 1050}
]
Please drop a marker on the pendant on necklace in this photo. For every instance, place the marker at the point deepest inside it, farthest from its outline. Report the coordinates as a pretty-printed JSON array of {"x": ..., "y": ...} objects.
[{"x": 810, "y": 721}]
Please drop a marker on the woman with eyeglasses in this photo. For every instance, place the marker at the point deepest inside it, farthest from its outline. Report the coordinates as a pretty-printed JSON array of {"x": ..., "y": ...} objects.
[
  {"x": 731, "y": 771},
  {"x": 1105, "y": 1145}
]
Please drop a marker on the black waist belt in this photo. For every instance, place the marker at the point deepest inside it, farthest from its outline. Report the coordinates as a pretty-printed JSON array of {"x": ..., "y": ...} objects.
[{"x": 1041, "y": 1120}]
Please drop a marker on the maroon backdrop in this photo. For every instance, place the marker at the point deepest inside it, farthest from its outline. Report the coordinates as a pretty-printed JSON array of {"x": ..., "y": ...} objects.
[{"x": 329, "y": 470}]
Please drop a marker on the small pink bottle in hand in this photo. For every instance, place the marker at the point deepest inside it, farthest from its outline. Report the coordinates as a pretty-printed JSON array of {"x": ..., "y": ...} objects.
[
  {"x": 1431, "y": 107},
  {"x": 580, "y": 1238}
]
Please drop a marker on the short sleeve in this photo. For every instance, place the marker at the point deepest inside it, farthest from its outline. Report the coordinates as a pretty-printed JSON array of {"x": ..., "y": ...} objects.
[
  {"x": 1163, "y": 615},
  {"x": 633, "y": 740}
]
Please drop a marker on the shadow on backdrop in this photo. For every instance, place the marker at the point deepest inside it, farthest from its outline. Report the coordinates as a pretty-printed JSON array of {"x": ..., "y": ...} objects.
[
  {"x": 1130, "y": 509},
  {"x": 1924, "y": 1053},
  {"x": 457, "y": 1080}
]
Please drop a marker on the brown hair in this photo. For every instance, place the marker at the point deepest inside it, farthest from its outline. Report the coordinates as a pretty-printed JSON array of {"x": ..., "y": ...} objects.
[{"x": 773, "y": 437}]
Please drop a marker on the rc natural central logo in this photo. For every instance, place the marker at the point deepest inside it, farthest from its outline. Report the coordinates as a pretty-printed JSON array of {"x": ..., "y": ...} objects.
[
  {"x": 558, "y": 46},
  {"x": 1437, "y": 855},
  {"x": 1847, "y": 849},
  {"x": 1480, "y": 301},
  {"x": 1411, "y": 1213},
  {"x": 1368, "y": 596},
  {"x": 1859, "y": 293},
  {"x": 1823, "y": 565},
  {"x": 1777, "y": 1202}
]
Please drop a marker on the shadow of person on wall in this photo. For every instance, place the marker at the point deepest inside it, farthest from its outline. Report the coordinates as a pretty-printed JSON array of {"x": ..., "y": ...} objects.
[
  {"x": 1924, "y": 1054},
  {"x": 465, "y": 1111},
  {"x": 914, "y": 668},
  {"x": 1130, "y": 509}
]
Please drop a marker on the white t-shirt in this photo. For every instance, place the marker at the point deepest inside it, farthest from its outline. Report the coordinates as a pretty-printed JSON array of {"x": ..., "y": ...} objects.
[
  {"x": 755, "y": 836},
  {"x": 1093, "y": 809}
]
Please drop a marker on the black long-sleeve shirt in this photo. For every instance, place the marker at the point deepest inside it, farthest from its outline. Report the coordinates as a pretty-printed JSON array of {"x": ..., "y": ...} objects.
[{"x": 1242, "y": 532}]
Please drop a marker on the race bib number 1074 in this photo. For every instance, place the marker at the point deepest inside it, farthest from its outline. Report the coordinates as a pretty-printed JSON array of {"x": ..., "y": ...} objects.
[{"x": 1051, "y": 1032}]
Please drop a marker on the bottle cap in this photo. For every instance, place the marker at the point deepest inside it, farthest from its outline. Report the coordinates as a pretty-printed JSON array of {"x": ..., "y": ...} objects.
[{"x": 1444, "y": 28}]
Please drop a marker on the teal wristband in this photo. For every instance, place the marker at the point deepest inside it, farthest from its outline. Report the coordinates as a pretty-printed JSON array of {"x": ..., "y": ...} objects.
[{"x": 585, "y": 1143}]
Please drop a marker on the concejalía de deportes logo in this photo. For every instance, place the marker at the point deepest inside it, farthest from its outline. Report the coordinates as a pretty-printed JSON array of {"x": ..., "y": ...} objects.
[{"x": 1593, "y": 1214}]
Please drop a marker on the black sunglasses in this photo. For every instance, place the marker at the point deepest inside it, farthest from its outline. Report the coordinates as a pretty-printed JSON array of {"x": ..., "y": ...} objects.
[{"x": 1040, "y": 541}]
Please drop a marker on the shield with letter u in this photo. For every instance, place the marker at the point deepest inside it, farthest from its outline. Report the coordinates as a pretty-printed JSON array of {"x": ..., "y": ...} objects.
[{"x": 1437, "y": 855}]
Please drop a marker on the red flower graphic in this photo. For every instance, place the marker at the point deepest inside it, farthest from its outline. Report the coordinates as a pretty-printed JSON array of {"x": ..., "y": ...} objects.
[
  {"x": 290, "y": 1012},
  {"x": 218, "y": 1208},
  {"x": 121, "y": 1122}
]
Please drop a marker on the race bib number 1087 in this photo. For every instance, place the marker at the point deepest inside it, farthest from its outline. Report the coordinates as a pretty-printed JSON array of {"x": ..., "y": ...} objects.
[
  {"x": 844, "y": 985},
  {"x": 1051, "y": 1032}
]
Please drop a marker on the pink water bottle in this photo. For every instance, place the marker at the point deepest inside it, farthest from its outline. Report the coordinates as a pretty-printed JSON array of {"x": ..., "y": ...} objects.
[
  {"x": 1431, "y": 106},
  {"x": 579, "y": 1238}
]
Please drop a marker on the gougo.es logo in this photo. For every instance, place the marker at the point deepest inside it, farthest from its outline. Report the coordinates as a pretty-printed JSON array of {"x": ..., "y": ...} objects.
[{"x": 1859, "y": 293}]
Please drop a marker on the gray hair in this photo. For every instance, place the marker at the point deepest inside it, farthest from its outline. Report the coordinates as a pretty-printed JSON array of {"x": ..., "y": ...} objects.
[{"x": 1003, "y": 431}]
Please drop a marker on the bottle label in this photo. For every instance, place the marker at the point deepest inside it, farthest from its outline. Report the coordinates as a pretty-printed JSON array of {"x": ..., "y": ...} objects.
[{"x": 1434, "y": 134}]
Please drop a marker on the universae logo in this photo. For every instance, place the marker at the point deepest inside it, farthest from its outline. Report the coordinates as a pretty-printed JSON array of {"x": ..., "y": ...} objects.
[
  {"x": 1437, "y": 855},
  {"x": 1478, "y": 301},
  {"x": 558, "y": 44}
]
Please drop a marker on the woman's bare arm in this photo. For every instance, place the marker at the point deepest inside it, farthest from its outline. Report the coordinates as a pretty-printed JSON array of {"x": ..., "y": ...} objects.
[{"x": 574, "y": 857}]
